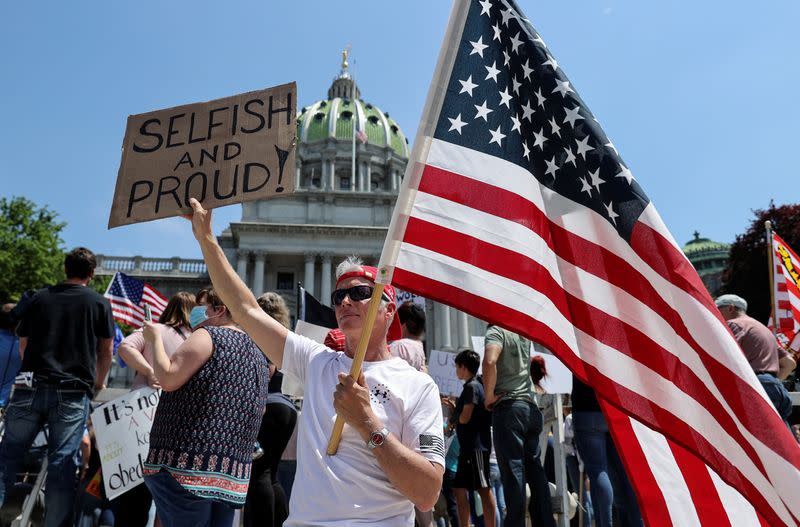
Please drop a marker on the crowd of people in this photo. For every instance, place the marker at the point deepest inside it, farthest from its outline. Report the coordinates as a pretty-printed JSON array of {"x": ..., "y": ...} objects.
[{"x": 407, "y": 455}]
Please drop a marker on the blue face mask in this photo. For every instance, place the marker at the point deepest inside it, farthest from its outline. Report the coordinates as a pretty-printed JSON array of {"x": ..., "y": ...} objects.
[{"x": 197, "y": 316}]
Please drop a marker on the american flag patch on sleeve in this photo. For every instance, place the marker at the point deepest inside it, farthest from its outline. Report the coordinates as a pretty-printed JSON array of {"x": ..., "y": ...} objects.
[{"x": 431, "y": 444}]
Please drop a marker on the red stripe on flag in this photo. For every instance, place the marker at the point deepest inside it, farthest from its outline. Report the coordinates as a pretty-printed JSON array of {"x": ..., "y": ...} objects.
[
  {"x": 649, "y": 412},
  {"x": 707, "y": 502},
  {"x": 651, "y": 500}
]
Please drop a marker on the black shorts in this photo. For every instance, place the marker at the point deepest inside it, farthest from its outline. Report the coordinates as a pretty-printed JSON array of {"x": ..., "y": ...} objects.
[{"x": 473, "y": 470}]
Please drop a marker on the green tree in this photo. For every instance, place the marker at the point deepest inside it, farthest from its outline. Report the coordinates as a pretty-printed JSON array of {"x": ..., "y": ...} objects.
[
  {"x": 31, "y": 254},
  {"x": 747, "y": 274}
]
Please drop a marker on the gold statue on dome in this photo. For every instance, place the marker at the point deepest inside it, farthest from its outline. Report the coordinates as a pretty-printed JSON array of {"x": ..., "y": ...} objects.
[{"x": 345, "y": 52}]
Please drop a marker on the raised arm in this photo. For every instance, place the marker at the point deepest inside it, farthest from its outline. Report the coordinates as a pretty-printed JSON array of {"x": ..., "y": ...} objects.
[{"x": 263, "y": 329}]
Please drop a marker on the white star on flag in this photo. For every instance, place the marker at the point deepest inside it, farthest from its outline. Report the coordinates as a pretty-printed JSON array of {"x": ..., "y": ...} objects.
[
  {"x": 497, "y": 136},
  {"x": 478, "y": 46},
  {"x": 483, "y": 111},
  {"x": 505, "y": 98},
  {"x": 456, "y": 124},
  {"x": 492, "y": 72},
  {"x": 539, "y": 139},
  {"x": 572, "y": 115},
  {"x": 583, "y": 147},
  {"x": 563, "y": 88},
  {"x": 555, "y": 127},
  {"x": 552, "y": 167},
  {"x": 611, "y": 214},
  {"x": 467, "y": 86}
]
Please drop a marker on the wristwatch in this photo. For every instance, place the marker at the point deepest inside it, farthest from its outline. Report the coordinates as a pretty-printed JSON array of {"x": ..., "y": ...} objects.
[{"x": 377, "y": 438}]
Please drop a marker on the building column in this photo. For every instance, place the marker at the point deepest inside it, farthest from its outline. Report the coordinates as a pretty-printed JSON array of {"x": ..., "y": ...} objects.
[
  {"x": 443, "y": 321},
  {"x": 297, "y": 175},
  {"x": 241, "y": 264},
  {"x": 368, "y": 172},
  {"x": 463, "y": 330},
  {"x": 258, "y": 273},
  {"x": 394, "y": 179},
  {"x": 332, "y": 174},
  {"x": 325, "y": 285},
  {"x": 308, "y": 279}
]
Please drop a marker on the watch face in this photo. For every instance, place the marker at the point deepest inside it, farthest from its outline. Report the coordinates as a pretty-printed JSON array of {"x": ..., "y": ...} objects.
[{"x": 377, "y": 439}]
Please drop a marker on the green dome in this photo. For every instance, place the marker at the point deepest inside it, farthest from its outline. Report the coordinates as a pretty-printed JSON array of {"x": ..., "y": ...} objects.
[
  {"x": 703, "y": 245},
  {"x": 333, "y": 119}
]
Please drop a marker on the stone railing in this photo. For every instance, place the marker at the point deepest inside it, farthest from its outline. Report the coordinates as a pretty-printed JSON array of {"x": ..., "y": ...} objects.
[{"x": 107, "y": 265}]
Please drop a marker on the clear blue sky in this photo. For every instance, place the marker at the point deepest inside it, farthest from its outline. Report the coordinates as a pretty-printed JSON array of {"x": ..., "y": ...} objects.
[{"x": 697, "y": 96}]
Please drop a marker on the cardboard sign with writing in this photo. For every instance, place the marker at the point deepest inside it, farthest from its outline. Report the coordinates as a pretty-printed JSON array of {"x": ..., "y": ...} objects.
[
  {"x": 122, "y": 429},
  {"x": 226, "y": 151}
]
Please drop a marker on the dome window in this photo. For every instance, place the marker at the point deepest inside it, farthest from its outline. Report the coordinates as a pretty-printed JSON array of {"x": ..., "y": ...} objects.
[
  {"x": 386, "y": 114},
  {"x": 369, "y": 106},
  {"x": 323, "y": 104},
  {"x": 347, "y": 115},
  {"x": 373, "y": 119},
  {"x": 304, "y": 110},
  {"x": 346, "y": 102},
  {"x": 395, "y": 129},
  {"x": 319, "y": 116}
]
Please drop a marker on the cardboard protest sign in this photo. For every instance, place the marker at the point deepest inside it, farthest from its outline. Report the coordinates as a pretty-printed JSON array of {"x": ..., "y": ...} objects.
[
  {"x": 226, "y": 151},
  {"x": 122, "y": 429},
  {"x": 442, "y": 368}
]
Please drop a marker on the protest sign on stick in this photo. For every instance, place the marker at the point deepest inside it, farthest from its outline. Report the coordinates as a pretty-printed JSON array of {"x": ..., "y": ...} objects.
[
  {"x": 226, "y": 151},
  {"x": 122, "y": 429}
]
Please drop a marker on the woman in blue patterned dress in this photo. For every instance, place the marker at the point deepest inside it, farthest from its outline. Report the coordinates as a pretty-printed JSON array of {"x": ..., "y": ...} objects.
[{"x": 201, "y": 443}]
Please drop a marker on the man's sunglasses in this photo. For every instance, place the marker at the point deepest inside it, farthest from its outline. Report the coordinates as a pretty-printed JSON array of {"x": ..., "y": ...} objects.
[{"x": 357, "y": 293}]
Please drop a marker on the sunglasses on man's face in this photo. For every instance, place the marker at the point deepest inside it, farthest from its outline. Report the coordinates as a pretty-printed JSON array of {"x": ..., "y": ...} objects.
[{"x": 357, "y": 293}]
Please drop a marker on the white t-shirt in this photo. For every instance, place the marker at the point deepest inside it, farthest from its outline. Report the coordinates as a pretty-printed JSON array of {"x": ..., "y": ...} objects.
[{"x": 350, "y": 488}]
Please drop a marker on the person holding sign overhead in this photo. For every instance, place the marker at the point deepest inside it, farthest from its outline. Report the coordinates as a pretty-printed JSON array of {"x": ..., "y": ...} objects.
[
  {"x": 201, "y": 442},
  {"x": 391, "y": 455}
]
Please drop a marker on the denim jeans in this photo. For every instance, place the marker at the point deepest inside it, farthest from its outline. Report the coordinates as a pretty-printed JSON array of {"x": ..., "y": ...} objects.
[
  {"x": 607, "y": 477},
  {"x": 65, "y": 413},
  {"x": 778, "y": 395},
  {"x": 517, "y": 425},
  {"x": 177, "y": 507},
  {"x": 499, "y": 497}
]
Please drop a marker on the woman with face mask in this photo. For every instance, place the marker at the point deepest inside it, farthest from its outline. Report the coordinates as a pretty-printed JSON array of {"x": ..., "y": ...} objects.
[
  {"x": 201, "y": 443},
  {"x": 132, "y": 508}
]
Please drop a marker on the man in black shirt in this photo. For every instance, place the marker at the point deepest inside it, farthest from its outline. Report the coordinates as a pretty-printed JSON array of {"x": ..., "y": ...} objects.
[
  {"x": 66, "y": 337},
  {"x": 473, "y": 428}
]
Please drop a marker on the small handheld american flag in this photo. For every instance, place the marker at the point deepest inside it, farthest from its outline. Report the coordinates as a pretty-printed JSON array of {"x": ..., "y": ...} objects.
[{"x": 128, "y": 296}]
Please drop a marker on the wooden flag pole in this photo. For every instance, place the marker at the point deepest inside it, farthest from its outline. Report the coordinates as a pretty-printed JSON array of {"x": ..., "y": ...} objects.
[
  {"x": 358, "y": 359},
  {"x": 771, "y": 262}
]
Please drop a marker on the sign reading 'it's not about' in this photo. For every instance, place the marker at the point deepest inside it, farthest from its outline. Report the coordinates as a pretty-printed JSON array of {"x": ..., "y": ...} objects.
[{"x": 226, "y": 151}]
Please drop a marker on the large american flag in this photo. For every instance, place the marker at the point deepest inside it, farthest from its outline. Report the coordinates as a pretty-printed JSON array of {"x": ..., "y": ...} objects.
[
  {"x": 786, "y": 291},
  {"x": 517, "y": 209},
  {"x": 128, "y": 296}
]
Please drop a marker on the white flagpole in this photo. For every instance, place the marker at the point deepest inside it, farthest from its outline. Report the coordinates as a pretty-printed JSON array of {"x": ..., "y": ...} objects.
[{"x": 771, "y": 263}]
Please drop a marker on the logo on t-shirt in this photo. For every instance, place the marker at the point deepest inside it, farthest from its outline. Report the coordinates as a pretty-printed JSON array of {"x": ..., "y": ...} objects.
[
  {"x": 431, "y": 444},
  {"x": 380, "y": 394}
]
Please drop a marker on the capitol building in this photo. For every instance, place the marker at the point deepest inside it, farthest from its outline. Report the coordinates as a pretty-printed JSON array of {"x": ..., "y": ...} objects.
[{"x": 350, "y": 159}]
